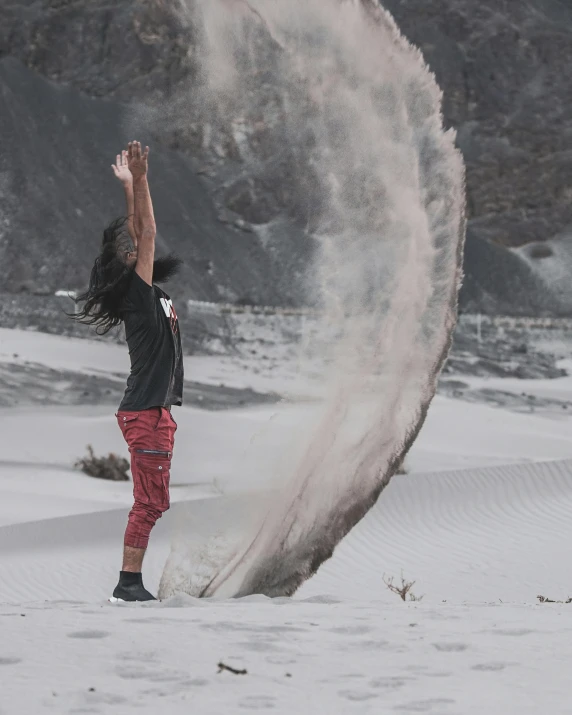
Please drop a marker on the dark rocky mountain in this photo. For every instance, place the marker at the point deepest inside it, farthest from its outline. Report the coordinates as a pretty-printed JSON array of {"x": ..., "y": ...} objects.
[
  {"x": 57, "y": 193},
  {"x": 504, "y": 68}
]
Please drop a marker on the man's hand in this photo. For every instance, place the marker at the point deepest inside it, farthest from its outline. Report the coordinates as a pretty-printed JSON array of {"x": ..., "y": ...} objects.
[
  {"x": 137, "y": 159},
  {"x": 121, "y": 169}
]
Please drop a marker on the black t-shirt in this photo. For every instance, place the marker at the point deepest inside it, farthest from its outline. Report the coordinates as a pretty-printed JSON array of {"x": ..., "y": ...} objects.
[{"x": 152, "y": 332}]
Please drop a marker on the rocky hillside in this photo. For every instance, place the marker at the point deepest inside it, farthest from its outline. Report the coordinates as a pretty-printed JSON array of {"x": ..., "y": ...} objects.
[
  {"x": 57, "y": 192},
  {"x": 503, "y": 67}
]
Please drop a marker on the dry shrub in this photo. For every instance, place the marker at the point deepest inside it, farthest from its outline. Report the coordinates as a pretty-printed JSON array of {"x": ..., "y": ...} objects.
[
  {"x": 403, "y": 591},
  {"x": 112, "y": 467}
]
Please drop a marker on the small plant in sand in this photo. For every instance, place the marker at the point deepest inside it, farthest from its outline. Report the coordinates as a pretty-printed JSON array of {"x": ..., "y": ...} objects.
[
  {"x": 403, "y": 590},
  {"x": 111, "y": 467},
  {"x": 544, "y": 599}
]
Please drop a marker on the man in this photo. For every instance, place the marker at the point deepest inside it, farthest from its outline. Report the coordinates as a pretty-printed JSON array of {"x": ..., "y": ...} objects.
[{"x": 122, "y": 289}]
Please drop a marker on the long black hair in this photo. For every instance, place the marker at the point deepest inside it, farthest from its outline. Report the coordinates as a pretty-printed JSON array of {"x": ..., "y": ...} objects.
[{"x": 110, "y": 277}]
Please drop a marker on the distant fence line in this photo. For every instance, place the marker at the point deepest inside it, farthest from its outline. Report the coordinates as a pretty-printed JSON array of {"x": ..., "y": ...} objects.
[
  {"x": 206, "y": 307},
  {"x": 515, "y": 321},
  {"x": 476, "y": 319},
  {"x": 479, "y": 320}
]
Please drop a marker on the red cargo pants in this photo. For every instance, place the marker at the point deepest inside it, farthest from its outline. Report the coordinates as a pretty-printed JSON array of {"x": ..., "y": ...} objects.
[{"x": 150, "y": 436}]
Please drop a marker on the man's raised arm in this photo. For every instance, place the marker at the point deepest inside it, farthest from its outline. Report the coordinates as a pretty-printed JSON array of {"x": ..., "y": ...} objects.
[
  {"x": 143, "y": 211},
  {"x": 122, "y": 172}
]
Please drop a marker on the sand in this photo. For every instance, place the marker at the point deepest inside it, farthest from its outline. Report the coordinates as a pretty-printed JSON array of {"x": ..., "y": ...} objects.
[{"x": 481, "y": 523}]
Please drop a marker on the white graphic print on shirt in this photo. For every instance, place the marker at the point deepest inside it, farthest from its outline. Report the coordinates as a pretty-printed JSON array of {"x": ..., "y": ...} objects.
[{"x": 170, "y": 313}]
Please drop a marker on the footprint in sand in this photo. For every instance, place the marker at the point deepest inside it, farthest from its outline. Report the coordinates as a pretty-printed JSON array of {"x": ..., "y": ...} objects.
[
  {"x": 141, "y": 656},
  {"x": 260, "y": 646},
  {"x": 88, "y": 634},
  {"x": 513, "y": 631},
  {"x": 357, "y": 696},
  {"x": 377, "y": 645},
  {"x": 285, "y": 629},
  {"x": 154, "y": 676},
  {"x": 390, "y": 682},
  {"x": 226, "y": 626},
  {"x": 450, "y": 647},
  {"x": 281, "y": 660},
  {"x": 152, "y": 619},
  {"x": 93, "y": 698},
  {"x": 194, "y": 683},
  {"x": 424, "y": 706},
  {"x": 351, "y": 630},
  {"x": 256, "y": 702},
  {"x": 491, "y": 667}
]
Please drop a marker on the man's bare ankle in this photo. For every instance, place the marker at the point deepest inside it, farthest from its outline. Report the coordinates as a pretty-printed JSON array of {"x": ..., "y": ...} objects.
[{"x": 133, "y": 559}]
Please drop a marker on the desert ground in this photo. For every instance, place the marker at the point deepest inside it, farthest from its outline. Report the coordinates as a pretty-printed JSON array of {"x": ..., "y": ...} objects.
[{"x": 480, "y": 522}]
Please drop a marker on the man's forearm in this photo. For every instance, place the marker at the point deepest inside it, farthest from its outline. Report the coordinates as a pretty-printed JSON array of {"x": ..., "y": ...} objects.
[
  {"x": 130, "y": 203},
  {"x": 144, "y": 218}
]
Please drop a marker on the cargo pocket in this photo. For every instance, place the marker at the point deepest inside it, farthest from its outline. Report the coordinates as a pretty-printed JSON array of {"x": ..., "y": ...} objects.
[
  {"x": 126, "y": 419},
  {"x": 154, "y": 467}
]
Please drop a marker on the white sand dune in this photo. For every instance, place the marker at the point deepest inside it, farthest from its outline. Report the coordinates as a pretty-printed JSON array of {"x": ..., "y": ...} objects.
[
  {"x": 345, "y": 644},
  {"x": 457, "y": 436},
  {"x": 78, "y": 557},
  {"x": 469, "y": 536},
  {"x": 477, "y": 535},
  {"x": 235, "y": 452},
  {"x": 88, "y": 356}
]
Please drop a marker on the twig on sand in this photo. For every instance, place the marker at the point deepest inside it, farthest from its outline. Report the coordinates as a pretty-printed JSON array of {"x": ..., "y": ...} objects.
[{"x": 222, "y": 666}]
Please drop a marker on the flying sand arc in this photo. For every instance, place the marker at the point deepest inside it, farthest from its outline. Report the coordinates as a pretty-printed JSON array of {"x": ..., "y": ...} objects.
[{"x": 363, "y": 109}]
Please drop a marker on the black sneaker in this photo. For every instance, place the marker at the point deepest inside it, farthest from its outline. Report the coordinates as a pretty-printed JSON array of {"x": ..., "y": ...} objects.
[{"x": 130, "y": 588}]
